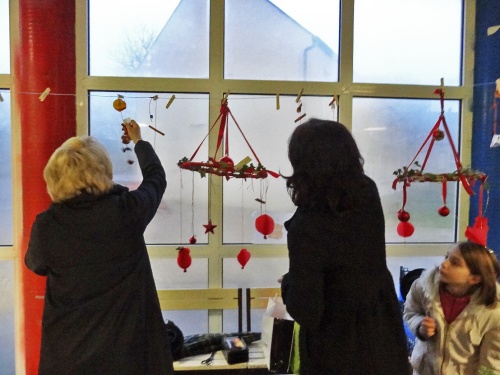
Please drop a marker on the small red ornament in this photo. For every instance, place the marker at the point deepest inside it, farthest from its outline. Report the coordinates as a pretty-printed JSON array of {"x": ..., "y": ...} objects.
[
  {"x": 403, "y": 215},
  {"x": 264, "y": 224},
  {"x": 243, "y": 257},
  {"x": 405, "y": 229},
  {"x": 183, "y": 258},
  {"x": 192, "y": 240},
  {"x": 209, "y": 227},
  {"x": 438, "y": 135},
  {"x": 226, "y": 159},
  {"x": 478, "y": 233},
  {"x": 444, "y": 211}
]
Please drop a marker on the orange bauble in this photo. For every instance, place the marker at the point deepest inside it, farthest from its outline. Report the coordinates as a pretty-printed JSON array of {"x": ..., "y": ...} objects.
[{"x": 119, "y": 105}]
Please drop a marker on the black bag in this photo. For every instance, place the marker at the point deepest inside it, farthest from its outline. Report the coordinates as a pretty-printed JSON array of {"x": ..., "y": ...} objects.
[
  {"x": 277, "y": 336},
  {"x": 175, "y": 338}
]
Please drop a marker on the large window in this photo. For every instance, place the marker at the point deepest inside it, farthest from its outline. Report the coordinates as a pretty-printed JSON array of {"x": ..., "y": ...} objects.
[
  {"x": 7, "y": 342},
  {"x": 408, "y": 42},
  {"x": 373, "y": 67},
  {"x": 7, "y": 278},
  {"x": 150, "y": 38},
  {"x": 6, "y": 233},
  {"x": 282, "y": 40},
  {"x": 4, "y": 37}
]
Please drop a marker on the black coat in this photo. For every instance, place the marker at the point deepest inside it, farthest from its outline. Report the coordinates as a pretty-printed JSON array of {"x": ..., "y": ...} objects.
[
  {"x": 341, "y": 293},
  {"x": 101, "y": 311}
]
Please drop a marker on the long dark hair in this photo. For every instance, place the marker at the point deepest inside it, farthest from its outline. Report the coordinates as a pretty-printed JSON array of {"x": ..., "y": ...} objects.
[
  {"x": 327, "y": 166},
  {"x": 482, "y": 262}
]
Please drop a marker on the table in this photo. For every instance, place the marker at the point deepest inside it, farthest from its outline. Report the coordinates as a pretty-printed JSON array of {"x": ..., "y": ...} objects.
[{"x": 256, "y": 364}]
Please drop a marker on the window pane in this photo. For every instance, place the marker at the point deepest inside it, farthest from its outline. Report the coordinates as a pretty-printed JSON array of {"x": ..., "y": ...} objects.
[
  {"x": 258, "y": 273},
  {"x": 267, "y": 131},
  {"x": 168, "y": 275},
  {"x": 5, "y": 171},
  {"x": 389, "y": 133},
  {"x": 4, "y": 37},
  {"x": 184, "y": 205},
  {"x": 394, "y": 264},
  {"x": 292, "y": 40},
  {"x": 149, "y": 38},
  {"x": 407, "y": 41},
  {"x": 7, "y": 342}
]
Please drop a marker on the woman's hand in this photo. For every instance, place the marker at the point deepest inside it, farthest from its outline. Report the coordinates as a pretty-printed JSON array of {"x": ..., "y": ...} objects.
[{"x": 133, "y": 131}]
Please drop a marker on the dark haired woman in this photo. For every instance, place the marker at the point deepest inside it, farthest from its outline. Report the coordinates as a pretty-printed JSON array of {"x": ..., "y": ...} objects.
[{"x": 338, "y": 288}]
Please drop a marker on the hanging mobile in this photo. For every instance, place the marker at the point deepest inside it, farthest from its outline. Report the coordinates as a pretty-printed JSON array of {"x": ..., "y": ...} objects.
[{"x": 408, "y": 175}]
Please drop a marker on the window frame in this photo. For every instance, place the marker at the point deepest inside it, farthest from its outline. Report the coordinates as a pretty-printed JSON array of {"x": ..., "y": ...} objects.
[{"x": 216, "y": 85}]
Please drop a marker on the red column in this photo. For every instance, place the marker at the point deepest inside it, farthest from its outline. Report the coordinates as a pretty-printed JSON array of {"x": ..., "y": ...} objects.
[{"x": 44, "y": 57}]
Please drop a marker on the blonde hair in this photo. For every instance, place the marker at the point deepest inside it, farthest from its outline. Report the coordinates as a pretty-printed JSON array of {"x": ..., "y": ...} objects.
[
  {"x": 482, "y": 262},
  {"x": 79, "y": 164}
]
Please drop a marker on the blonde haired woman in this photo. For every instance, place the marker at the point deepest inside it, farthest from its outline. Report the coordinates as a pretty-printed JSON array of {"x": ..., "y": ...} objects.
[
  {"x": 101, "y": 313},
  {"x": 79, "y": 164}
]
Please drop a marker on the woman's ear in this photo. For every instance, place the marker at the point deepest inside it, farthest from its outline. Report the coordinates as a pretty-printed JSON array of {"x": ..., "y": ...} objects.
[{"x": 475, "y": 279}]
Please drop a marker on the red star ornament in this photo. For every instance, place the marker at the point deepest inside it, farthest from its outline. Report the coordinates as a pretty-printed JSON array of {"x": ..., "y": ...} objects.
[{"x": 209, "y": 227}]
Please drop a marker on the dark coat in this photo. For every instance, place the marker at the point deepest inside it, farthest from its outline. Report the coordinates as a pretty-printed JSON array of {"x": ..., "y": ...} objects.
[
  {"x": 101, "y": 312},
  {"x": 341, "y": 293}
]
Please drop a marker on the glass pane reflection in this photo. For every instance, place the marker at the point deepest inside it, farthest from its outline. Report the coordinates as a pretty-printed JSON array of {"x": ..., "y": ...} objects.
[
  {"x": 185, "y": 123},
  {"x": 4, "y": 37},
  {"x": 267, "y": 130},
  {"x": 7, "y": 338},
  {"x": 290, "y": 40},
  {"x": 408, "y": 41},
  {"x": 389, "y": 133},
  {"x": 150, "y": 38},
  {"x": 6, "y": 217}
]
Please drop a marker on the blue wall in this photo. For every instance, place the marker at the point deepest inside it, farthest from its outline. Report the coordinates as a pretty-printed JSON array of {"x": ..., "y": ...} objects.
[{"x": 484, "y": 158}]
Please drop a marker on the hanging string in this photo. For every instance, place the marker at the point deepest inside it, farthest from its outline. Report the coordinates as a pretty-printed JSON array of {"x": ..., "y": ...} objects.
[
  {"x": 242, "y": 215},
  {"x": 263, "y": 195},
  {"x": 192, "y": 204},
  {"x": 180, "y": 201},
  {"x": 444, "y": 191},
  {"x": 487, "y": 201},
  {"x": 109, "y": 95},
  {"x": 495, "y": 113},
  {"x": 155, "y": 99}
]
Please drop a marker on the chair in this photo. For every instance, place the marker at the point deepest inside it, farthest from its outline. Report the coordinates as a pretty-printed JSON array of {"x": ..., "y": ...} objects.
[
  {"x": 203, "y": 299},
  {"x": 406, "y": 279},
  {"x": 257, "y": 298}
]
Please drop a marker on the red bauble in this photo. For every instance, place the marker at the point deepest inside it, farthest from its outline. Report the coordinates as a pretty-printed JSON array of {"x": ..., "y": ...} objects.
[
  {"x": 444, "y": 211},
  {"x": 183, "y": 258},
  {"x": 264, "y": 224},
  {"x": 438, "y": 135},
  {"x": 226, "y": 159},
  {"x": 243, "y": 257},
  {"x": 192, "y": 240},
  {"x": 403, "y": 215},
  {"x": 405, "y": 229}
]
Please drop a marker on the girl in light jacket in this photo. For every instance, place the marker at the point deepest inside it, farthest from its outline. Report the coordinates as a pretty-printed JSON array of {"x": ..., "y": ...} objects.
[{"x": 454, "y": 312}]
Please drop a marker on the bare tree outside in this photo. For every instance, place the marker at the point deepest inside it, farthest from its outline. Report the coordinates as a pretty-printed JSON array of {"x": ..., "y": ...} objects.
[{"x": 134, "y": 47}]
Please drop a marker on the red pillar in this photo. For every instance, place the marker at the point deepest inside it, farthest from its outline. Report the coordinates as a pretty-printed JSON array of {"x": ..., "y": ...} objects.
[{"x": 44, "y": 57}]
